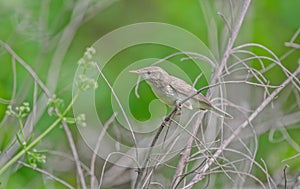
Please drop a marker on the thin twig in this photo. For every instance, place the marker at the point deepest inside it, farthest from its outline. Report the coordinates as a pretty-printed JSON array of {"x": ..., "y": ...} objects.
[
  {"x": 236, "y": 172},
  {"x": 226, "y": 142},
  {"x": 186, "y": 153},
  {"x": 217, "y": 75},
  {"x": 231, "y": 41},
  {"x": 296, "y": 34},
  {"x": 122, "y": 110},
  {"x": 107, "y": 160},
  {"x": 47, "y": 173},
  {"x": 93, "y": 159},
  {"x": 142, "y": 172},
  {"x": 69, "y": 157},
  {"x": 267, "y": 176},
  {"x": 293, "y": 45},
  {"x": 225, "y": 82},
  {"x": 75, "y": 154},
  {"x": 199, "y": 56},
  {"x": 73, "y": 149},
  {"x": 27, "y": 67},
  {"x": 291, "y": 158},
  {"x": 276, "y": 60}
]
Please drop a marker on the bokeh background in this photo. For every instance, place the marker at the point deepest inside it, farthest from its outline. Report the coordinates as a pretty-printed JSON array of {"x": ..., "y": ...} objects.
[{"x": 33, "y": 29}]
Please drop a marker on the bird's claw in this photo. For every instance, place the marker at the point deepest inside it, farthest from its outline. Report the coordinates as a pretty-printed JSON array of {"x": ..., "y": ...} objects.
[{"x": 178, "y": 104}]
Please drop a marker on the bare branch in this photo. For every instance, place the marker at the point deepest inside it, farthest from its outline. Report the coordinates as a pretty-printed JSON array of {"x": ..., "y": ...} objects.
[
  {"x": 226, "y": 142},
  {"x": 122, "y": 109},
  {"x": 231, "y": 41},
  {"x": 74, "y": 152},
  {"x": 93, "y": 159},
  {"x": 48, "y": 174},
  {"x": 28, "y": 68}
]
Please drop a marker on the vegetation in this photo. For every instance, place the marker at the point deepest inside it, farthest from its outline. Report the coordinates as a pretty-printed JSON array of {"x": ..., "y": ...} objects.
[{"x": 73, "y": 116}]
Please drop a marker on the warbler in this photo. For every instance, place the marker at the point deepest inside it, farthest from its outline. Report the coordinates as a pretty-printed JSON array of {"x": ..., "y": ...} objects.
[{"x": 171, "y": 90}]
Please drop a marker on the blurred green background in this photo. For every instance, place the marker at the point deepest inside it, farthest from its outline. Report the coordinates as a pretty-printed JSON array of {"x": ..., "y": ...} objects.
[{"x": 33, "y": 29}]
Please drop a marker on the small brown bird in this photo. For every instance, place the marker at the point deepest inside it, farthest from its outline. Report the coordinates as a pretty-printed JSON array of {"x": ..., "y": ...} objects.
[{"x": 172, "y": 90}]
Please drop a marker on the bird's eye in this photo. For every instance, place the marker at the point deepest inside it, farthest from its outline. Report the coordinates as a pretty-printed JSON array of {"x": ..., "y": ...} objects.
[{"x": 148, "y": 72}]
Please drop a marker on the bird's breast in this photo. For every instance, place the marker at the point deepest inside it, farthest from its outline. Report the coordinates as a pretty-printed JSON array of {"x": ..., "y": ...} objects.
[{"x": 165, "y": 93}]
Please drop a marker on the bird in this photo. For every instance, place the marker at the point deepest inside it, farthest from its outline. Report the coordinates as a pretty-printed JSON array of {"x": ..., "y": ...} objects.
[{"x": 172, "y": 90}]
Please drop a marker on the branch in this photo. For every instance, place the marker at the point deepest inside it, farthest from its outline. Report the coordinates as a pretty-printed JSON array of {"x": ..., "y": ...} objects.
[
  {"x": 236, "y": 132},
  {"x": 142, "y": 172},
  {"x": 186, "y": 153},
  {"x": 93, "y": 160},
  {"x": 293, "y": 45},
  {"x": 27, "y": 67},
  {"x": 182, "y": 162},
  {"x": 54, "y": 69},
  {"x": 75, "y": 154},
  {"x": 231, "y": 41},
  {"x": 47, "y": 174}
]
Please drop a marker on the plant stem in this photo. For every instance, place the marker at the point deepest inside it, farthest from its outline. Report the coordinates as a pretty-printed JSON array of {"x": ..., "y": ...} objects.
[{"x": 38, "y": 139}]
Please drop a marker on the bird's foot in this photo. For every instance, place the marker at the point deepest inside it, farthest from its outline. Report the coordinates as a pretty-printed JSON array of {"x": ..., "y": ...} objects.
[
  {"x": 178, "y": 104},
  {"x": 178, "y": 107}
]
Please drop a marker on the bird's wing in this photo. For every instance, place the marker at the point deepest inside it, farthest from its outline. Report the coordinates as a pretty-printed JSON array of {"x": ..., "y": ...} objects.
[
  {"x": 181, "y": 86},
  {"x": 186, "y": 89}
]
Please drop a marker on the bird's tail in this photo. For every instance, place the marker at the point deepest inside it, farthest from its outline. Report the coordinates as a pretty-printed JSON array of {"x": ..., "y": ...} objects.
[{"x": 221, "y": 112}]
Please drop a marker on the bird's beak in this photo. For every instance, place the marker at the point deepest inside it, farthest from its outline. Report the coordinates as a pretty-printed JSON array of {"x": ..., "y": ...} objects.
[{"x": 135, "y": 71}]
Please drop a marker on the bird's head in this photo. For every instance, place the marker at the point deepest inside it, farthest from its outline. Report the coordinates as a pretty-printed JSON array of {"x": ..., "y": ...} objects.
[{"x": 151, "y": 73}]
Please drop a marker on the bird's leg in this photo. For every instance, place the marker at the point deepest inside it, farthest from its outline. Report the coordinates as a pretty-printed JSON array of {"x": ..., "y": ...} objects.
[
  {"x": 178, "y": 104},
  {"x": 178, "y": 107}
]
